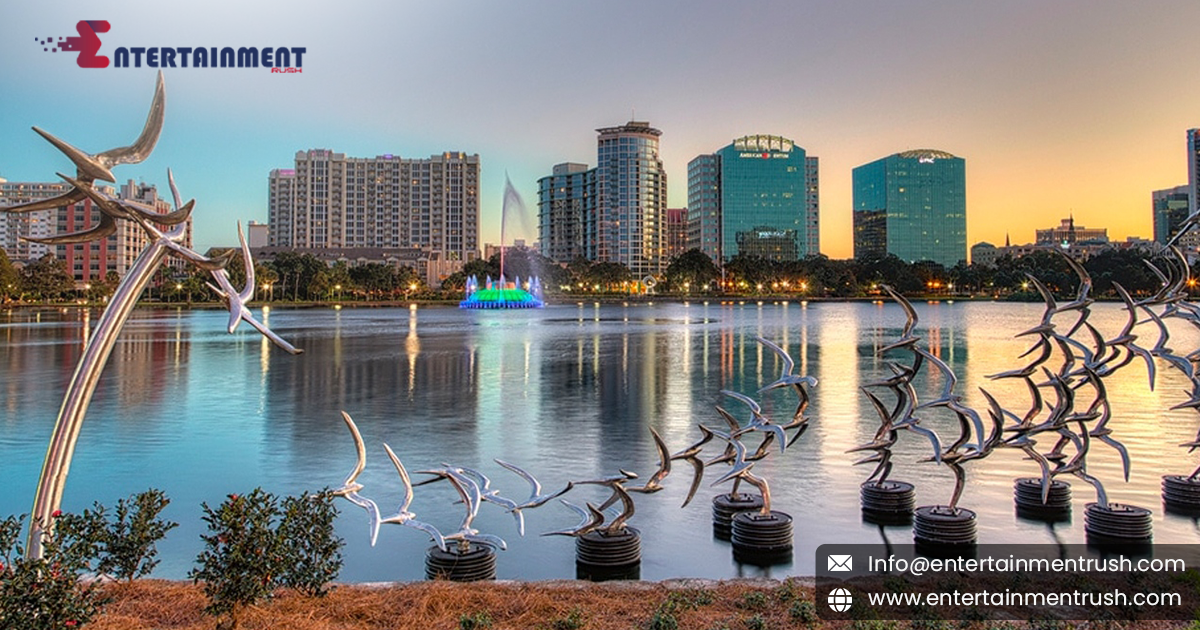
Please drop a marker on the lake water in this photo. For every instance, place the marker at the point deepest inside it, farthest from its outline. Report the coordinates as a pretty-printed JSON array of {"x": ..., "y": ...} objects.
[{"x": 569, "y": 393}]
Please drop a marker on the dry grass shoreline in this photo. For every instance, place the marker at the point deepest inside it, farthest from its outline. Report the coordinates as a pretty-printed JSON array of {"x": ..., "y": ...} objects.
[
  {"x": 561, "y": 605},
  {"x": 750, "y": 604}
]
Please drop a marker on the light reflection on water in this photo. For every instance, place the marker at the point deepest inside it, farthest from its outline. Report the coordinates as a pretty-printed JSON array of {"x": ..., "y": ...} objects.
[{"x": 567, "y": 392}]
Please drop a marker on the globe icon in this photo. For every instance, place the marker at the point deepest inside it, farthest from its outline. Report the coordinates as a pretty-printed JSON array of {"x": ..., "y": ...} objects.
[{"x": 839, "y": 600}]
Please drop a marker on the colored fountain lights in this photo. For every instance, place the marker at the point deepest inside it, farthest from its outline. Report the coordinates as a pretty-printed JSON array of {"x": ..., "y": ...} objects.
[{"x": 503, "y": 294}]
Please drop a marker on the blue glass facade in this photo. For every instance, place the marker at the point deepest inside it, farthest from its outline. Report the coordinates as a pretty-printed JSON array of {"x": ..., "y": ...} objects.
[
  {"x": 563, "y": 199},
  {"x": 913, "y": 205},
  {"x": 756, "y": 196}
]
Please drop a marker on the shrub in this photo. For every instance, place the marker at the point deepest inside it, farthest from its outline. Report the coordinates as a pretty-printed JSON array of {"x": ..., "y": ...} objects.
[
  {"x": 687, "y": 599},
  {"x": 754, "y": 600},
  {"x": 241, "y": 555},
  {"x": 663, "y": 620},
  {"x": 47, "y": 592},
  {"x": 803, "y": 611},
  {"x": 254, "y": 546},
  {"x": 477, "y": 621},
  {"x": 573, "y": 621},
  {"x": 128, "y": 547},
  {"x": 311, "y": 550}
]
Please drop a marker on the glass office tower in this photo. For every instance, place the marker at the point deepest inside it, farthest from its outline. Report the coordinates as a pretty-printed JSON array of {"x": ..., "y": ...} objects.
[
  {"x": 756, "y": 196},
  {"x": 913, "y": 205}
]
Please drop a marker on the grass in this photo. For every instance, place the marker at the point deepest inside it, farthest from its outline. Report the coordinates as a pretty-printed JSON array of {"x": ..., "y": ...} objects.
[
  {"x": 164, "y": 605},
  {"x": 733, "y": 605}
]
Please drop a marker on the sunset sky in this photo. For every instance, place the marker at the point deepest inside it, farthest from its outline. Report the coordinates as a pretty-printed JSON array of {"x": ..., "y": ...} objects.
[{"x": 1058, "y": 107}]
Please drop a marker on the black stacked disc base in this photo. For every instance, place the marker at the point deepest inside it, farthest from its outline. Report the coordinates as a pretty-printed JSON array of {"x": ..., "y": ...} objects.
[
  {"x": 762, "y": 539},
  {"x": 763, "y": 532},
  {"x": 1027, "y": 493},
  {"x": 887, "y": 499},
  {"x": 1181, "y": 493},
  {"x": 725, "y": 506},
  {"x": 940, "y": 525},
  {"x": 607, "y": 556},
  {"x": 476, "y": 562},
  {"x": 1117, "y": 523}
]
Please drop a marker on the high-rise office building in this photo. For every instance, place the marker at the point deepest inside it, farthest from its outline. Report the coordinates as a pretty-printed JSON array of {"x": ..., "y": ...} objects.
[
  {"x": 15, "y": 227},
  {"x": 1193, "y": 154},
  {"x": 704, "y": 205},
  {"x": 912, "y": 205},
  {"x": 92, "y": 260},
  {"x": 1170, "y": 207},
  {"x": 626, "y": 223},
  {"x": 676, "y": 237},
  {"x": 332, "y": 201},
  {"x": 812, "y": 177},
  {"x": 562, "y": 203},
  {"x": 88, "y": 261},
  {"x": 615, "y": 212},
  {"x": 757, "y": 196}
]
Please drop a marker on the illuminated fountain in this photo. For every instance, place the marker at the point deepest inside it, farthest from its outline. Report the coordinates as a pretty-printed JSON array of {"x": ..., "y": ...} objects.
[{"x": 502, "y": 293}]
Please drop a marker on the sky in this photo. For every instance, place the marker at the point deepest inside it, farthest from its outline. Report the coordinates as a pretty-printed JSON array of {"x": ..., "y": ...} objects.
[{"x": 1059, "y": 107}]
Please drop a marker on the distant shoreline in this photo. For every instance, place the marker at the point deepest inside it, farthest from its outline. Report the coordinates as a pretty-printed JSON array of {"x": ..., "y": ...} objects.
[{"x": 551, "y": 301}]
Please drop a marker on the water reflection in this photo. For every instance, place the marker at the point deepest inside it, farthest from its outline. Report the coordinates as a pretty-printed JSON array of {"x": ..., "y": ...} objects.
[{"x": 567, "y": 392}]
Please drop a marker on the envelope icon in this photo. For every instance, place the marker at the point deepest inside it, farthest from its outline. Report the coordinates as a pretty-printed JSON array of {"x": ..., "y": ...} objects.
[{"x": 839, "y": 562}]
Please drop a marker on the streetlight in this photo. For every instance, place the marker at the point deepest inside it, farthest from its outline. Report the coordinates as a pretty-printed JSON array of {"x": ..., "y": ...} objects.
[{"x": 338, "y": 288}]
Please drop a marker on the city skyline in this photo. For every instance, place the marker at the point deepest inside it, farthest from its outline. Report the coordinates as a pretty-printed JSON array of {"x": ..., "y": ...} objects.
[{"x": 1051, "y": 103}]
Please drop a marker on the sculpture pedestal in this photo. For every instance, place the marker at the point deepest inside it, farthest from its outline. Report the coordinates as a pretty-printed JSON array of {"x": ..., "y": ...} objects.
[
  {"x": 1117, "y": 523},
  {"x": 603, "y": 556},
  {"x": 940, "y": 525},
  {"x": 1027, "y": 494},
  {"x": 762, "y": 539},
  {"x": 1181, "y": 494},
  {"x": 725, "y": 506},
  {"x": 476, "y": 562},
  {"x": 888, "y": 499}
]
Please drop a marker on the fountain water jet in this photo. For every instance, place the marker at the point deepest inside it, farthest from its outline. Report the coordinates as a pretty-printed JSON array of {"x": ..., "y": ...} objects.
[{"x": 501, "y": 293}]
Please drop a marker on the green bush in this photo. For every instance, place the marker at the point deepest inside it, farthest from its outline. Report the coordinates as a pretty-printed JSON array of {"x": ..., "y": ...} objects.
[
  {"x": 756, "y": 623},
  {"x": 573, "y": 621},
  {"x": 241, "y": 555},
  {"x": 312, "y": 551},
  {"x": 128, "y": 546},
  {"x": 48, "y": 593},
  {"x": 803, "y": 611},
  {"x": 253, "y": 546},
  {"x": 687, "y": 599},
  {"x": 477, "y": 621},
  {"x": 663, "y": 620},
  {"x": 754, "y": 600}
]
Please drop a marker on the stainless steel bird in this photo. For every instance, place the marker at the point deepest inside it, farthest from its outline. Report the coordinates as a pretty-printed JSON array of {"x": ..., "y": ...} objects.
[
  {"x": 350, "y": 487},
  {"x": 403, "y": 516}
]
